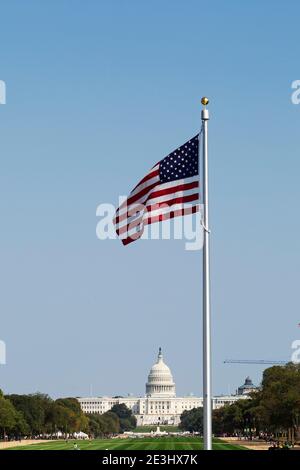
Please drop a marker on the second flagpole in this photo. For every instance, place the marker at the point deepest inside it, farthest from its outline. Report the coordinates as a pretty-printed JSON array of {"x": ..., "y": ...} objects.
[{"x": 207, "y": 395}]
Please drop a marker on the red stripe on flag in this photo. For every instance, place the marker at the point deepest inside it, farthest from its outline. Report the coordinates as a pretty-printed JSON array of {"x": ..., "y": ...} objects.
[
  {"x": 171, "y": 202},
  {"x": 173, "y": 189}
]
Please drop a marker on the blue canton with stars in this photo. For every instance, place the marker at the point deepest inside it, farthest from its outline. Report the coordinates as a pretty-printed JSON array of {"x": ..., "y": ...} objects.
[{"x": 182, "y": 163}]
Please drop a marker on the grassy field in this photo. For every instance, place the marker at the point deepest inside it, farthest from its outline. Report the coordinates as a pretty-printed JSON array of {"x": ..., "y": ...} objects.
[{"x": 157, "y": 443}]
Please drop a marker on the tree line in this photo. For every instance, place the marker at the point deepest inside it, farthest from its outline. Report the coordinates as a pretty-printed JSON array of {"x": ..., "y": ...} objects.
[
  {"x": 272, "y": 410},
  {"x": 39, "y": 415}
]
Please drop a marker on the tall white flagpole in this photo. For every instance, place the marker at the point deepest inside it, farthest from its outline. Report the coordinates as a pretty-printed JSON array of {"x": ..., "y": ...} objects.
[{"x": 207, "y": 395}]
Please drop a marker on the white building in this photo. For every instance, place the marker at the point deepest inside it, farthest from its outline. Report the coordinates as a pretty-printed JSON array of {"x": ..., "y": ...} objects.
[{"x": 160, "y": 404}]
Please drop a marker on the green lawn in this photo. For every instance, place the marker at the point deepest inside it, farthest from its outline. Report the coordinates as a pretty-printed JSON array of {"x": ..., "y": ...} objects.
[{"x": 156, "y": 443}]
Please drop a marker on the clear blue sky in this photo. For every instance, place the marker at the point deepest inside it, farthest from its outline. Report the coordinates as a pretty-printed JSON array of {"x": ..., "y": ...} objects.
[{"x": 97, "y": 92}]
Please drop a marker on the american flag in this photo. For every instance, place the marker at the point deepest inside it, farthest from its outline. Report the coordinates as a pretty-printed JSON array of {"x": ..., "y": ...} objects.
[{"x": 170, "y": 189}]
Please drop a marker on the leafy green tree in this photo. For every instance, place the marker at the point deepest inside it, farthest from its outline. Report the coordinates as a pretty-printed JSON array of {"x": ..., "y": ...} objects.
[
  {"x": 95, "y": 425},
  {"x": 127, "y": 419},
  {"x": 43, "y": 415},
  {"x": 218, "y": 421},
  {"x": 236, "y": 418},
  {"x": 20, "y": 428},
  {"x": 70, "y": 403},
  {"x": 280, "y": 397},
  {"x": 192, "y": 420},
  {"x": 103, "y": 425},
  {"x": 111, "y": 423},
  {"x": 34, "y": 408},
  {"x": 69, "y": 416},
  {"x": 7, "y": 415}
]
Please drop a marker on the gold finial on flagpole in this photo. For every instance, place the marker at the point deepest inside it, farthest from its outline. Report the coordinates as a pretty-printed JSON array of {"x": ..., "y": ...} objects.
[{"x": 204, "y": 111}]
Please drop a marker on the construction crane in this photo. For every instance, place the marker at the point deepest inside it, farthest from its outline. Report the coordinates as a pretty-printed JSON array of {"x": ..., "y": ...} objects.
[{"x": 254, "y": 361}]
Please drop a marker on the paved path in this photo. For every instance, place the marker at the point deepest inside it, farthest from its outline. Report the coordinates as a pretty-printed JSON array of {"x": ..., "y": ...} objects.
[
  {"x": 24, "y": 442},
  {"x": 253, "y": 445}
]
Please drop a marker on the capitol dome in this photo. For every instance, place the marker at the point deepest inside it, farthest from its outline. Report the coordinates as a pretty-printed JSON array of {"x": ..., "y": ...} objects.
[{"x": 160, "y": 381}]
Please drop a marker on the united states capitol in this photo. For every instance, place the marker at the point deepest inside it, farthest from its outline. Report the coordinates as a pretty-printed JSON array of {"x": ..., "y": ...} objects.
[{"x": 160, "y": 404}]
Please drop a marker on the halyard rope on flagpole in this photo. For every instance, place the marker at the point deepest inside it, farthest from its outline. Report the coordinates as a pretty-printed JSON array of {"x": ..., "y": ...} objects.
[{"x": 204, "y": 227}]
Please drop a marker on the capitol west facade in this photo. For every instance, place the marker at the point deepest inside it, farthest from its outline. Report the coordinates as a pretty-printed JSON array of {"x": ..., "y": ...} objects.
[{"x": 160, "y": 404}]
